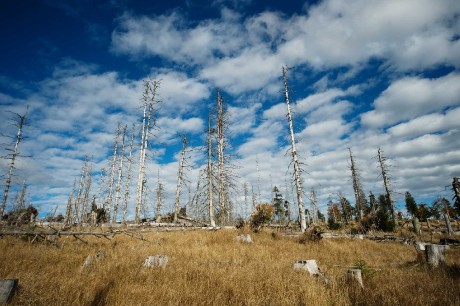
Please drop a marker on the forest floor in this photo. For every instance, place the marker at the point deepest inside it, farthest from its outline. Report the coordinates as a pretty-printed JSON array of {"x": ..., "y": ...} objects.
[{"x": 214, "y": 268}]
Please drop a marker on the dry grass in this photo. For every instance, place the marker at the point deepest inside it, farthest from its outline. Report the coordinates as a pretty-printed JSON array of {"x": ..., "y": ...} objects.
[{"x": 212, "y": 268}]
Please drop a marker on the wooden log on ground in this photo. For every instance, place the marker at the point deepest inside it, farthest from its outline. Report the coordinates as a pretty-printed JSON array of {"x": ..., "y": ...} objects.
[{"x": 7, "y": 289}]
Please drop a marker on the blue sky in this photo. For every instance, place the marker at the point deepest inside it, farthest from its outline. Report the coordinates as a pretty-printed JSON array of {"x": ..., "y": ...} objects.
[{"x": 366, "y": 73}]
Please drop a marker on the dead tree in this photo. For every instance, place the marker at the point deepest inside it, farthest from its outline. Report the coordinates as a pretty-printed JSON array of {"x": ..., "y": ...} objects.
[
  {"x": 119, "y": 177},
  {"x": 159, "y": 196},
  {"x": 221, "y": 126},
  {"x": 295, "y": 161},
  {"x": 22, "y": 196},
  {"x": 68, "y": 213},
  {"x": 149, "y": 98},
  {"x": 246, "y": 195},
  {"x": 357, "y": 188},
  {"x": 314, "y": 206},
  {"x": 210, "y": 175},
  {"x": 87, "y": 184},
  {"x": 112, "y": 173},
  {"x": 386, "y": 183},
  {"x": 180, "y": 179},
  {"x": 78, "y": 199},
  {"x": 128, "y": 176},
  {"x": 254, "y": 200},
  {"x": 258, "y": 178},
  {"x": 21, "y": 122},
  {"x": 456, "y": 189}
]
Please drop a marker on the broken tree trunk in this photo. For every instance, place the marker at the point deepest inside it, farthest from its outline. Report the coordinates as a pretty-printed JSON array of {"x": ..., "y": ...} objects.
[
  {"x": 128, "y": 176},
  {"x": 88, "y": 178},
  {"x": 179, "y": 179},
  {"x": 220, "y": 159},
  {"x": 386, "y": 184},
  {"x": 119, "y": 177},
  {"x": 297, "y": 170},
  {"x": 149, "y": 97},
  {"x": 21, "y": 123},
  {"x": 356, "y": 186},
  {"x": 112, "y": 173},
  {"x": 210, "y": 176}
]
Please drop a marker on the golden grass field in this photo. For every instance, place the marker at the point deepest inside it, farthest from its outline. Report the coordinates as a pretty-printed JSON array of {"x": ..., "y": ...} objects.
[{"x": 213, "y": 268}]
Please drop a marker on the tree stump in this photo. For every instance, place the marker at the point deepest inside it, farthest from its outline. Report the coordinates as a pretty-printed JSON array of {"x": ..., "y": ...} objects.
[
  {"x": 311, "y": 267},
  {"x": 7, "y": 289},
  {"x": 156, "y": 261},
  {"x": 416, "y": 224},
  {"x": 354, "y": 276},
  {"x": 434, "y": 254},
  {"x": 244, "y": 238}
]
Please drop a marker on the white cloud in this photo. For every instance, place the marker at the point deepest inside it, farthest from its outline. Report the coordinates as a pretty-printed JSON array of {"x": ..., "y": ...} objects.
[
  {"x": 241, "y": 54},
  {"x": 179, "y": 93},
  {"x": 410, "y": 97},
  {"x": 427, "y": 124}
]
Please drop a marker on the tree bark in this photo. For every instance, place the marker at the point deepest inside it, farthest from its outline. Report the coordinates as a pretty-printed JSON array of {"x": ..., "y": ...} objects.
[
  {"x": 297, "y": 171},
  {"x": 179, "y": 179}
]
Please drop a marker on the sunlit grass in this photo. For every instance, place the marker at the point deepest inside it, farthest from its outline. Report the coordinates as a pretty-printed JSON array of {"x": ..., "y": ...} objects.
[{"x": 213, "y": 268}]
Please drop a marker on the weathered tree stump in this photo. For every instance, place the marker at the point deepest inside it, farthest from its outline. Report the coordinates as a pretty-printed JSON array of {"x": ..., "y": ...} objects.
[
  {"x": 434, "y": 254},
  {"x": 156, "y": 261},
  {"x": 448, "y": 226},
  {"x": 7, "y": 289},
  {"x": 311, "y": 267},
  {"x": 354, "y": 276},
  {"x": 244, "y": 238},
  {"x": 416, "y": 224},
  {"x": 92, "y": 259}
]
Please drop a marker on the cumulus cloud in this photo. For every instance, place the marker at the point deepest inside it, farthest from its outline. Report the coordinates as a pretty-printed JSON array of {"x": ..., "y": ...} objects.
[
  {"x": 246, "y": 53},
  {"x": 410, "y": 97}
]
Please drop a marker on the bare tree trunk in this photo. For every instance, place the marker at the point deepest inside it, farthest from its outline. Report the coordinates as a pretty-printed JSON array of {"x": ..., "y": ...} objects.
[
  {"x": 149, "y": 98},
  {"x": 179, "y": 179},
  {"x": 258, "y": 179},
  {"x": 20, "y": 125},
  {"x": 128, "y": 176},
  {"x": 68, "y": 213},
  {"x": 112, "y": 173},
  {"x": 356, "y": 186},
  {"x": 386, "y": 184},
  {"x": 78, "y": 200},
  {"x": 297, "y": 170},
  {"x": 88, "y": 178},
  {"x": 210, "y": 176},
  {"x": 220, "y": 156},
  {"x": 22, "y": 196},
  {"x": 119, "y": 176},
  {"x": 102, "y": 188},
  {"x": 344, "y": 208},
  {"x": 246, "y": 195},
  {"x": 314, "y": 207}
]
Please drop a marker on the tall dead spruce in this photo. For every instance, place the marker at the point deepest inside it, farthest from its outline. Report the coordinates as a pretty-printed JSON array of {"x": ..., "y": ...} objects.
[
  {"x": 386, "y": 183},
  {"x": 210, "y": 176},
  {"x": 160, "y": 197},
  {"x": 149, "y": 99},
  {"x": 357, "y": 188},
  {"x": 112, "y": 173},
  {"x": 128, "y": 175},
  {"x": 295, "y": 161},
  {"x": 21, "y": 122},
  {"x": 119, "y": 177},
  {"x": 221, "y": 175},
  {"x": 180, "y": 177}
]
